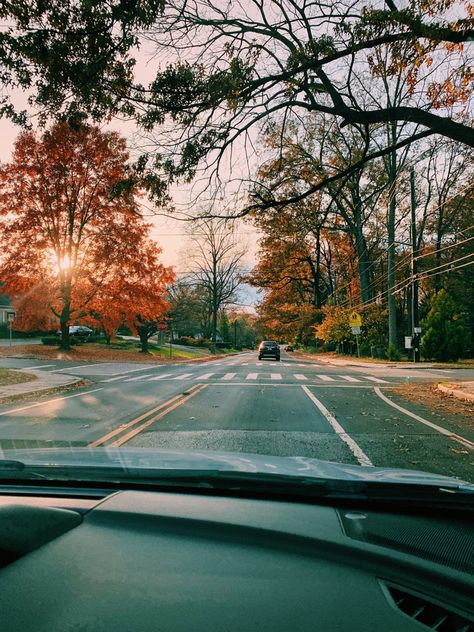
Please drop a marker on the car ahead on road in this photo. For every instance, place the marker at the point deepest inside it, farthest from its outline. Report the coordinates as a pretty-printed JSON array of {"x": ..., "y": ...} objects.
[
  {"x": 289, "y": 348},
  {"x": 269, "y": 349}
]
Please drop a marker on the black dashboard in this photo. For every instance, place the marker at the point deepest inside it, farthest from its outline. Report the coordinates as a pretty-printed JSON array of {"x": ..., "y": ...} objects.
[{"x": 142, "y": 561}]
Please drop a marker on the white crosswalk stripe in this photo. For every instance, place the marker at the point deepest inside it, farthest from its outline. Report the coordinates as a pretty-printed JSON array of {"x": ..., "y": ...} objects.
[
  {"x": 275, "y": 376},
  {"x": 252, "y": 376},
  {"x": 114, "y": 379},
  {"x": 349, "y": 378},
  {"x": 228, "y": 376},
  {"x": 139, "y": 377},
  {"x": 40, "y": 366},
  {"x": 160, "y": 377},
  {"x": 376, "y": 379},
  {"x": 298, "y": 376},
  {"x": 326, "y": 378},
  {"x": 184, "y": 376},
  {"x": 206, "y": 376}
]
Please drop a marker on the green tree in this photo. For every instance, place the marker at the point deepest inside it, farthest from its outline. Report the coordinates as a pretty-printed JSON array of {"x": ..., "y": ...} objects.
[
  {"x": 446, "y": 333},
  {"x": 224, "y": 327}
]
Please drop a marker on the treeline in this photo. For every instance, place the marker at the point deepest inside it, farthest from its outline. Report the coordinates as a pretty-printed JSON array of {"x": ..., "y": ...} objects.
[{"x": 351, "y": 247}]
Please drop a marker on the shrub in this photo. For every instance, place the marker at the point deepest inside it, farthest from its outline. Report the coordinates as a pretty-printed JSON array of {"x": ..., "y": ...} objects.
[
  {"x": 393, "y": 354},
  {"x": 50, "y": 341},
  {"x": 446, "y": 335}
]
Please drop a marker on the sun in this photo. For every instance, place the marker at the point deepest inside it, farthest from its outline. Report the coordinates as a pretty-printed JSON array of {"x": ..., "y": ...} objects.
[{"x": 60, "y": 264}]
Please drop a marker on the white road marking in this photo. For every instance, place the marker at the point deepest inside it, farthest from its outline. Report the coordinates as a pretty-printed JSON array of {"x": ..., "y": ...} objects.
[
  {"x": 138, "y": 377},
  {"x": 440, "y": 429},
  {"x": 252, "y": 376},
  {"x": 349, "y": 378},
  {"x": 159, "y": 377},
  {"x": 49, "y": 401},
  {"x": 259, "y": 364},
  {"x": 298, "y": 376},
  {"x": 275, "y": 376},
  {"x": 183, "y": 376},
  {"x": 326, "y": 378},
  {"x": 40, "y": 366},
  {"x": 245, "y": 363},
  {"x": 356, "y": 450},
  {"x": 71, "y": 368},
  {"x": 376, "y": 379},
  {"x": 206, "y": 376},
  {"x": 113, "y": 379},
  {"x": 228, "y": 376},
  {"x": 144, "y": 368}
]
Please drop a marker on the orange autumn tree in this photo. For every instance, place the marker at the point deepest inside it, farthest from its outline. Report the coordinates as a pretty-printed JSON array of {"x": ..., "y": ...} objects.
[{"x": 69, "y": 228}]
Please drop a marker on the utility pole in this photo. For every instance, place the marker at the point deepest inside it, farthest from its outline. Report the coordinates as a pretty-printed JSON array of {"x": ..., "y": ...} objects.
[
  {"x": 414, "y": 271},
  {"x": 235, "y": 333}
]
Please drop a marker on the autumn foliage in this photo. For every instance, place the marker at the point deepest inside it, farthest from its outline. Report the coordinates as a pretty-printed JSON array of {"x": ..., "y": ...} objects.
[{"x": 75, "y": 248}]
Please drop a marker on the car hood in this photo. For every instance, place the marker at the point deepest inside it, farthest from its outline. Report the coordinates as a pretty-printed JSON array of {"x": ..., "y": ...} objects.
[{"x": 199, "y": 461}]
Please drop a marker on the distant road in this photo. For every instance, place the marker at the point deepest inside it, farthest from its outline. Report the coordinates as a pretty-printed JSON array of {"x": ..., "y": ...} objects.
[{"x": 5, "y": 342}]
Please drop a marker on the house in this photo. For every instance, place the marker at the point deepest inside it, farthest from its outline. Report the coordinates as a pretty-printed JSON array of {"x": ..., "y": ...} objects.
[{"x": 5, "y": 309}]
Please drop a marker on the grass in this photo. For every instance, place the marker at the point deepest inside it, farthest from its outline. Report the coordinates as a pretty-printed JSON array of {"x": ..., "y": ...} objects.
[
  {"x": 9, "y": 377},
  {"x": 464, "y": 363}
]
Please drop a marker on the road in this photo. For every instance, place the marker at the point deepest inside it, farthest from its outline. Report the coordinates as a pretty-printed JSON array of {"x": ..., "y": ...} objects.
[{"x": 292, "y": 407}]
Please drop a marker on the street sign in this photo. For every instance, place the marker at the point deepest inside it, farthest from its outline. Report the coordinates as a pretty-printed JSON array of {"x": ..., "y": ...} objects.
[
  {"x": 417, "y": 330},
  {"x": 10, "y": 316},
  {"x": 162, "y": 326},
  {"x": 408, "y": 340},
  {"x": 355, "y": 330},
  {"x": 355, "y": 319}
]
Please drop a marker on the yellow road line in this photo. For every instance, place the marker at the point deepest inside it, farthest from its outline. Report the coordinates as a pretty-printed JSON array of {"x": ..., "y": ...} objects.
[
  {"x": 137, "y": 420},
  {"x": 135, "y": 431}
]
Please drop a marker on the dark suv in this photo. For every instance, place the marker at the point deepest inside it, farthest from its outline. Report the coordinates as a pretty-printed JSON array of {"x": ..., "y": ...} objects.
[{"x": 269, "y": 349}]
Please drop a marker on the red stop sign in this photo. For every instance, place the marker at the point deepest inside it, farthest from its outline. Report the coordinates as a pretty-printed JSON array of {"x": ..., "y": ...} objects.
[{"x": 162, "y": 326}]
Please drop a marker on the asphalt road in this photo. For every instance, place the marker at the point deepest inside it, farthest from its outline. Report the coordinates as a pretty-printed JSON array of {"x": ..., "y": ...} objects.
[{"x": 292, "y": 407}]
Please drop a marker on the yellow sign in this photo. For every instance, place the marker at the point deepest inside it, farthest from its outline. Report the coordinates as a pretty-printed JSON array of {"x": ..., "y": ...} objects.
[{"x": 355, "y": 319}]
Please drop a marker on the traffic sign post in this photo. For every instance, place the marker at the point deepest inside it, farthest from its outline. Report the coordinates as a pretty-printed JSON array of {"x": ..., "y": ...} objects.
[
  {"x": 355, "y": 321},
  {"x": 11, "y": 318}
]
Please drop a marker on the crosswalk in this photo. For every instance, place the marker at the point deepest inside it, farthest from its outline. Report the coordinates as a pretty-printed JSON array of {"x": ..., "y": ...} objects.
[{"x": 254, "y": 376}]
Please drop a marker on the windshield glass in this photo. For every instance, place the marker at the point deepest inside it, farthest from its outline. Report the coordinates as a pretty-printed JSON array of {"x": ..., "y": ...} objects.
[{"x": 242, "y": 235}]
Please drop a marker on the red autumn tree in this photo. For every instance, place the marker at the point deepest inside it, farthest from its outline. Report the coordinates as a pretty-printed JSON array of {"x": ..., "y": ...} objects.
[{"x": 70, "y": 232}]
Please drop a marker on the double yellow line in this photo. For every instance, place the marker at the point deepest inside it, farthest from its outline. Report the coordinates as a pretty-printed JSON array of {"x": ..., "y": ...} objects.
[{"x": 136, "y": 426}]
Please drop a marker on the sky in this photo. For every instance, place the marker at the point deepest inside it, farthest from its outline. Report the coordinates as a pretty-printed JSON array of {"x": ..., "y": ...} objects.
[{"x": 169, "y": 233}]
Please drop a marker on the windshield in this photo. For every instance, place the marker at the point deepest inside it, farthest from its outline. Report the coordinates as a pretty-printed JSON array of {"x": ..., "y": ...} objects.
[{"x": 241, "y": 235}]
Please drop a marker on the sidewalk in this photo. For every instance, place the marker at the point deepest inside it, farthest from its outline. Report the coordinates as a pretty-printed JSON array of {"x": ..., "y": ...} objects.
[
  {"x": 44, "y": 381},
  {"x": 461, "y": 390},
  {"x": 359, "y": 362}
]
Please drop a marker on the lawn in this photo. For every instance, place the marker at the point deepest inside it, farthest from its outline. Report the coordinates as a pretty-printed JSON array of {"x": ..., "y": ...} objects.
[{"x": 9, "y": 377}]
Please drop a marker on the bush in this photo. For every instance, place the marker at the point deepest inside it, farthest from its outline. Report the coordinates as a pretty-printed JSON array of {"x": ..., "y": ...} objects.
[
  {"x": 393, "y": 354},
  {"x": 50, "y": 341},
  {"x": 446, "y": 335}
]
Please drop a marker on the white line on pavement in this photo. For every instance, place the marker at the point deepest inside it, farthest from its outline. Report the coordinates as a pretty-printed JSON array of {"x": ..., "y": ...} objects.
[
  {"x": 228, "y": 376},
  {"x": 71, "y": 368},
  {"x": 349, "y": 378},
  {"x": 206, "y": 376},
  {"x": 183, "y": 376},
  {"x": 376, "y": 379},
  {"x": 252, "y": 376},
  {"x": 275, "y": 376},
  {"x": 298, "y": 376},
  {"x": 326, "y": 378},
  {"x": 159, "y": 377},
  {"x": 356, "y": 450},
  {"x": 440, "y": 429},
  {"x": 138, "y": 377},
  {"x": 40, "y": 366},
  {"x": 144, "y": 368},
  {"x": 113, "y": 379},
  {"x": 49, "y": 401}
]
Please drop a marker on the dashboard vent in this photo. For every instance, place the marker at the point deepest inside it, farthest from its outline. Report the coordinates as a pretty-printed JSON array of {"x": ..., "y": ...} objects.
[{"x": 433, "y": 616}]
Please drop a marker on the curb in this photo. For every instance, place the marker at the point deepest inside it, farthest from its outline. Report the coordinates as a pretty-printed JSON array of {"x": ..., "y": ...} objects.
[
  {"x": 456, "y": 392},
  {"x": 46, "y": 383}
]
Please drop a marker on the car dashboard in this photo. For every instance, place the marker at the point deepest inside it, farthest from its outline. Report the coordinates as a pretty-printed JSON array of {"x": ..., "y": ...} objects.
[{"x": 141, "y": 561}]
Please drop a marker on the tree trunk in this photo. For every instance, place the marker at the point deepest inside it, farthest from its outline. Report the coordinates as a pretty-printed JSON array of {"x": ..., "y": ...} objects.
[
  {"x": 392, "y": 306},
  {"x": 143, "y": 335},
  {"x": 363, "y": 265},
  {"x": 65, "y": 342}
]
